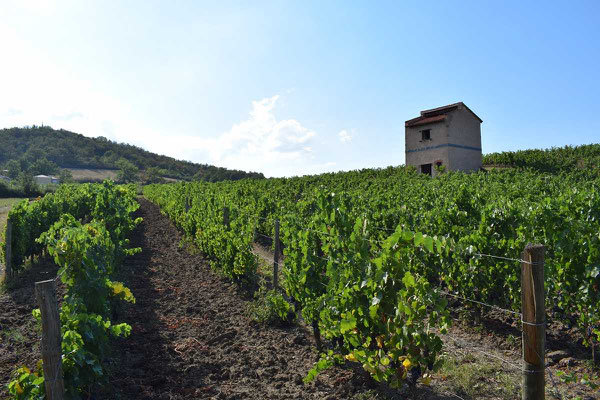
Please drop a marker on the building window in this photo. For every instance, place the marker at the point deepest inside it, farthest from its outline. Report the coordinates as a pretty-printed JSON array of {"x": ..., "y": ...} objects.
[
  {"x": 426, "y": 135},
  {"x": 426, "y": 169}
]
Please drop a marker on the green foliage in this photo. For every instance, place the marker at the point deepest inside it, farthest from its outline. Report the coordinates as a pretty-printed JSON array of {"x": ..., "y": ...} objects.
[
  {"x": 372, "y": 301},
  {"x": 27, "y": 184},
  {"x": 28, "y": 385},
  {"x": 23, "y": 147},
  {"x": 65, "y": 176},
  {"x": 42, "y": 166},
  {"x": 154, "y": 175},
  {"x": 334, "y": 230},
  {"x": 228, "y": 246},
  {"x": 554, "y": 160},
  {"x": 269, "y": 307},
  {"x": 128, "y": 172},
  {"x": 14, "y": 168},
  {"x": 87, "y": 255},
  {"x": 101, "y": 201}
]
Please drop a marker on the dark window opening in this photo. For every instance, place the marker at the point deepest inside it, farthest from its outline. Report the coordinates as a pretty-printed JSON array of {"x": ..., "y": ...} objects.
[
  {"x": 426, "y": 169},
  {"x": 438, "y": 163},
  {"x": 426, "y": 134}
]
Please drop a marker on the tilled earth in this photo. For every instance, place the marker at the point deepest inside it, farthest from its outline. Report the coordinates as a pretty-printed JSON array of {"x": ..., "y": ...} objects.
[
  {"x": 19, "y": 332},
  {"x": 191, "y": 338}
]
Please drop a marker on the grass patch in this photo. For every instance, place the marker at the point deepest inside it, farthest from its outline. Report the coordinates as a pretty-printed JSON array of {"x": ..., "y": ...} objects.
[
  {"x": 475, "y": 378},
  {"x": 269, "y": 307},
  {"x": 12, "y": 335},
  {"x": 9, "y": 201}
]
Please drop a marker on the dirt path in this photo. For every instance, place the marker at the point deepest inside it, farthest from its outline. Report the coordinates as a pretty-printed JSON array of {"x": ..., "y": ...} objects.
[{"x": 191, "y": 338}]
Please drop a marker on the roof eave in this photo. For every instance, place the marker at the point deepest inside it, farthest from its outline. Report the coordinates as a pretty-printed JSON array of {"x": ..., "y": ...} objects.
[{"x": 459, "y": 104}]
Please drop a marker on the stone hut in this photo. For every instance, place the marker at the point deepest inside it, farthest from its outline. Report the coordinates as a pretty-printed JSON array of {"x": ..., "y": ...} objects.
[{"x": 448, "y": 136}]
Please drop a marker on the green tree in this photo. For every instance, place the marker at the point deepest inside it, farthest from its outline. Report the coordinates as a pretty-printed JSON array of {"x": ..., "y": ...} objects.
[
  {"x": 43, "y": 167},
  {"x": 128, "y": 172},
  {"x": 27, "y": 184},
  {"x": 65, "y": 176},
  {"x": 153, "y": 175},
  {"x": 14, "y": 169}
]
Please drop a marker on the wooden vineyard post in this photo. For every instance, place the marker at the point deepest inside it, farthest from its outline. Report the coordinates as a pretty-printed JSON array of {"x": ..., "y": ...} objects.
[
  {"x": 51, "y": 340},
  {"x": 226, "y": 217},
  {"x": 534, "y": 320},
  {"x": 8, "y": 249},
  {"x": 276, "y": 256}
]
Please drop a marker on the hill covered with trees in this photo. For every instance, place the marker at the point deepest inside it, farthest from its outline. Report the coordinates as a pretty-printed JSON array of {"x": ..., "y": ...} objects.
[{"x": 43, "y": 150}]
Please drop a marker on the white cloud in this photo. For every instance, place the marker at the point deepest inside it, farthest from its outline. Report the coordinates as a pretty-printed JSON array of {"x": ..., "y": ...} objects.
[
  {"x": 263, "y": 143},
  {"x": 345, "y": 137},
  {"x": 259, "y": 143}
]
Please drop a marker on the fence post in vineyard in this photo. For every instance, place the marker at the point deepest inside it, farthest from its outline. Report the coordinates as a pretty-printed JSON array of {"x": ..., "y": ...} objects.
[
  {"x": 226, "y": 216},
  {"x": 533, "y": 322},
  {"x": 51, "y": 340},
  {"x": 8, "y": 249},
  {"x": 276, "y": 256}
]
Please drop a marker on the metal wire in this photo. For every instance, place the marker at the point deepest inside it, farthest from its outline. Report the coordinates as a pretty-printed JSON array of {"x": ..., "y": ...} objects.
[
  {"x": 545, "y": 367},
  {"x": 480, "y": 303},
  {"x": 475, "y": 254},
  {"x": 381, "y": 229},
  {"x": 265, "y": 236},
  {"x": 510, "y": 363},
  {"x": 341, "y": 237}
]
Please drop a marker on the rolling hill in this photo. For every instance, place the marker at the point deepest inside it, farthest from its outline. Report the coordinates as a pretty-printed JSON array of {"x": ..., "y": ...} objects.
[{"x": 74, "y": 151}]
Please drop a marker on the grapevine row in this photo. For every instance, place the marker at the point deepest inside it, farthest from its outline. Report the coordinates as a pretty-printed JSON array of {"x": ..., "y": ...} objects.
[
  {"x": 495, "y": 213},
  {"x": 373, "y": 302},
  {"x": 30, "y": 219},
  {"x": 88, "y": 255}
]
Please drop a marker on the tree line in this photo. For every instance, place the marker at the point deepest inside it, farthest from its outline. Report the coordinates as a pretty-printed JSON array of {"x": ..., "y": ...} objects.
[{"x": 42, "y": 150}]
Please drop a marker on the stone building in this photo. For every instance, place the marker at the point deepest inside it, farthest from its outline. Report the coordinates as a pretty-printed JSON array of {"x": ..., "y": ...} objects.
[
  {"x": 448, "y": 136},
  {"x": 45, "y": 179}
]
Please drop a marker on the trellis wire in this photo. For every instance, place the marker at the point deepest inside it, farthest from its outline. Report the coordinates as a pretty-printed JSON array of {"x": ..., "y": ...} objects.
[{"x": 469, "y": 254}]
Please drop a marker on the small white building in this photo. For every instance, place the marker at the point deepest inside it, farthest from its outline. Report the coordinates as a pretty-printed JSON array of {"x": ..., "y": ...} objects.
[
  {"x": 45, "y": 179},
  {"x": 448, "y": 136}
]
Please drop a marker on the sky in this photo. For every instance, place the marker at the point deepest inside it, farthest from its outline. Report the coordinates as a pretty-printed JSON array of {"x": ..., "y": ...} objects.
[{"x": 300, "y": 87}]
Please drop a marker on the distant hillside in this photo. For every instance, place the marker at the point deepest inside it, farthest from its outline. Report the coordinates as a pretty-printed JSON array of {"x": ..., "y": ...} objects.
[
  {"x": 554, "y": 160},
  {"x": 72, "y": 150}
]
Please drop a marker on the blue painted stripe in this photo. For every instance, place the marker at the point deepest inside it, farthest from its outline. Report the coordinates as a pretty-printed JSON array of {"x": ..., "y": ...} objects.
[{"x": 439, "y": 146}]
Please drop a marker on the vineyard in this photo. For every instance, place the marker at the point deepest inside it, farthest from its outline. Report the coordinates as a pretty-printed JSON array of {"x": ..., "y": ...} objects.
[
  {"x": 371, "y": 259},
  {"x": 87, "y": 254},
  {"x": 369, "y": 252}
]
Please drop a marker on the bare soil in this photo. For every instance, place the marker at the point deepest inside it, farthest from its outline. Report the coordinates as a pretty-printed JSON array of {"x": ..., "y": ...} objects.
[
  {"x": 192, "y": 339},
  {"x": 19, "y": 332}
]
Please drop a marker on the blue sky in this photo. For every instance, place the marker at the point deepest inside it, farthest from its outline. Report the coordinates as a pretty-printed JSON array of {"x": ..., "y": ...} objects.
[{"x": 293, "y": 88}]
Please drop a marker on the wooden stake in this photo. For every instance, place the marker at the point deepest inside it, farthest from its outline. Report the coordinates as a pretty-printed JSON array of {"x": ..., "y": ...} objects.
[
  {"x": 534, "y": 319},
  {"x": 276, "y": 256},
  {"x": 8, "y": 249},
  {"x": 226, "y": 216},
  {"x": 51, "y": 340}
]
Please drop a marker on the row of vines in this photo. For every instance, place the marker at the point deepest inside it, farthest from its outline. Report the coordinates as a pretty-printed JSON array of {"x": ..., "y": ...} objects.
[
  {"x": 371, "y": 301},
  {"x": 365, "y": 279},
  {"x": 84, "y": 228}
]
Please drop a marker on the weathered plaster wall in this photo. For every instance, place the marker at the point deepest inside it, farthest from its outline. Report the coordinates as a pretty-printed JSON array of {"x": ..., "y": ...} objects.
[{"x": 460, "y": 138}]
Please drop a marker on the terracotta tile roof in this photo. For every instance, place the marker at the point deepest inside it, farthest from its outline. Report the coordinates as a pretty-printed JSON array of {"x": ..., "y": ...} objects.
[
  {"x": 422, "y": 120},
  {"x": 438, "y": 114},
  {"x": 441, "y": 110}
]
